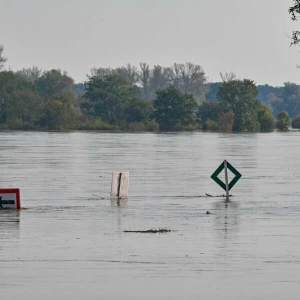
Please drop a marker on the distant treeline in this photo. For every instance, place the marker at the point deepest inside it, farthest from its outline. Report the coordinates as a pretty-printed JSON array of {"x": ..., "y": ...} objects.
[
  {"x": 280, "y": 98},
  {"x": 143, "y": 99}
]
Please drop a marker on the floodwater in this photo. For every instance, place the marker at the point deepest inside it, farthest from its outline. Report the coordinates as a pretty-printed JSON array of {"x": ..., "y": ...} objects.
[{"x": 69, "y": 241}]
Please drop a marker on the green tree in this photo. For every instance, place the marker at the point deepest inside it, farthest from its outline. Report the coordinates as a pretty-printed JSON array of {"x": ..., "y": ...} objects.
[
  {"x": 174, "y": 110},
  {"x": 283, "y": 121},
  {"x": 265, "y": 118},
  {"x": 24, "y": 109},
  {"x": 226, "y": 121},
  {"x": 2, "y": 58},
  {"x": 296, "y": 122},
  {"x": 107, "y": 97},
  {"x": 211, "y": 91},
  {"x": 60, "y": 113},
  {"x": 291, "y": 98},
  {"x": 286, "y": 98},
  {"x": 54, "y": 82},
  {"x": 138, "y": 110},
  {"x": 239, "y": 96},
  {"x": 210, "y": 111},
  {"x": 19, "y": 102},
  {"x": 211, "y": 125}
]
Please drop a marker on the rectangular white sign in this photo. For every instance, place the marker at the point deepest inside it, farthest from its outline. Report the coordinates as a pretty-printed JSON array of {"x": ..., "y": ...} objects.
[
  {"x": 119, "y": 184},
  {"x": 10, "y": 198}
]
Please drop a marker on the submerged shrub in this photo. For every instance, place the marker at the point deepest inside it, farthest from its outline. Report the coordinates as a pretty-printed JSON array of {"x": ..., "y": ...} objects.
[
  {"x": 226, "y": 121},
  {"x": 211, "y": 125},
  {"x": 136, "y": 126},
  {"x": 284, "y": 121},
  {"x": 296, "y": 122}
]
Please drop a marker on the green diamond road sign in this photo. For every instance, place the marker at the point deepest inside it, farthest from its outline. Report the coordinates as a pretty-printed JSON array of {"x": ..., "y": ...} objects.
[{"x": 215, "y": 177}]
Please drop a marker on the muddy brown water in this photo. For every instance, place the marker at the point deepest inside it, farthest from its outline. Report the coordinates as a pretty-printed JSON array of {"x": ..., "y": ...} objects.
[{"x": 69, "y": 242}]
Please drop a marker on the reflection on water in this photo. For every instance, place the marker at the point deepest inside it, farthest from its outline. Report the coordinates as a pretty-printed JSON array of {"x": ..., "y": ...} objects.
[
  {"x": 9, "y": 216},
  {"x": 72, "y": 234},
  {"x": 228, "y": 211},
  {"x": 9, "y": 227},
  {"x": 119, "y": 202},
  {"x": 227, "y": 219}
]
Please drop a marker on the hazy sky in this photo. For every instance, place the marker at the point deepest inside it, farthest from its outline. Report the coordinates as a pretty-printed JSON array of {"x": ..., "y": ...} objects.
[{"x": 249, "y": 37}]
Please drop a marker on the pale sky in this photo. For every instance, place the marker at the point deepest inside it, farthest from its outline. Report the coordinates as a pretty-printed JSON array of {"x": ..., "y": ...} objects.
[{"x": 249, "y": 37}]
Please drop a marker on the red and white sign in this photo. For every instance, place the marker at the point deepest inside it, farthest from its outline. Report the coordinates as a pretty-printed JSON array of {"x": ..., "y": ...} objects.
[{"x": 10, "y": 198}]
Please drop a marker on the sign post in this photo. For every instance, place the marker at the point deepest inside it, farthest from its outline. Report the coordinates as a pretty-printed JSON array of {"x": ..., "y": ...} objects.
[
  {"x": 226, "y": 186},
  {"x": 119, "y": 185},
  {"x": 226, "y": 179}
]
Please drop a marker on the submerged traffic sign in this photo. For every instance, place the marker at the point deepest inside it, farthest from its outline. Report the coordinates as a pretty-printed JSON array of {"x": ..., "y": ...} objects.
[
  {"x": 225, "y": 164},
  {"x": 10, "y": 198}
]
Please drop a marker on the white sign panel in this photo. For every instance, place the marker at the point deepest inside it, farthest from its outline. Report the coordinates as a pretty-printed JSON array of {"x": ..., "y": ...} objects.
[
  {"x": 119, "y": 184},
  {"x": 10, "y": 198}
]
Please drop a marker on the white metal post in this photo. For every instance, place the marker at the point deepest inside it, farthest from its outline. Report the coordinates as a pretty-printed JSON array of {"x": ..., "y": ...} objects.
[
  {"x": 119, "y": 186},
  {"x": 226, "y": 179}
]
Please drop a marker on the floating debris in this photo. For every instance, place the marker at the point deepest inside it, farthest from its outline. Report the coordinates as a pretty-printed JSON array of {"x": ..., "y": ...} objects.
[
  {"x": 209, "y": 195},
  {"x": 10, "y": 221},
  {"x": 153, "y": 230},
  {"x": 98, "y": 196},
  {"x": 208, "y": 212}
]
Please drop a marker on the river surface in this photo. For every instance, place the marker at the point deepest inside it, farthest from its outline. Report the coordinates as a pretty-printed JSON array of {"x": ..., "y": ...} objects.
[{"x": 69, "y": 242}]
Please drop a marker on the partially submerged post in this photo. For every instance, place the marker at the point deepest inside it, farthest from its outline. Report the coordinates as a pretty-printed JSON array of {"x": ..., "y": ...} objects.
[
  {"x": 119, "y": 185},
  {"x": 226, "y": 186},
  {"x": 226, "y": 179}
]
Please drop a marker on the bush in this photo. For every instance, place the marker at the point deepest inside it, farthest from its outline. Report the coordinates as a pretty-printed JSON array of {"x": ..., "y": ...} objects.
[
  {"x": 90, "y": 124},
  {"x": 267, "y": 123},
  {"x": 226, "y": 121},
  {"x": 136, "y": 126},
  {"x": 211, "y": 125},
  {"x": 14, "y": 123},
  {"x": 296, "y": 122},
  {"x": 265, "y": 118},
  {"x": 251, "y": 124},
  {"x": 152, "y": 126},
  {"x": 191, "y": 127},
  {"x": 284, "y": 121}
]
